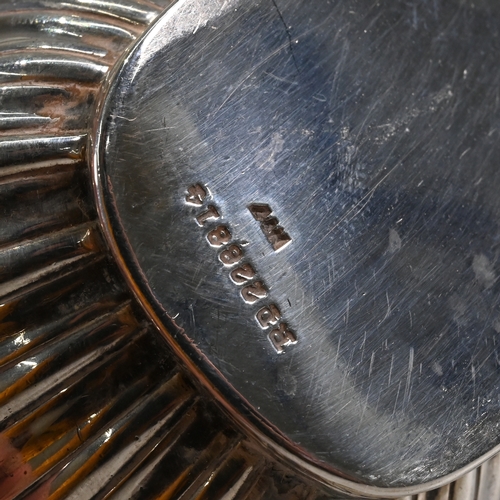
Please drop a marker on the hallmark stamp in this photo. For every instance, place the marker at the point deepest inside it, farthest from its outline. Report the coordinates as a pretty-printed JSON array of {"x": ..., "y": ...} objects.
[
  {"x": 230, "y": 254},
  {"x": 269, "y": 225},
  {"x": 196, "y": 195}
]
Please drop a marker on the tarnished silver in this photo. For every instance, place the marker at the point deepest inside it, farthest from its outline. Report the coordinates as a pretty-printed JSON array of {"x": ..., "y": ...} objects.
[{"x": 303, "y": 198}]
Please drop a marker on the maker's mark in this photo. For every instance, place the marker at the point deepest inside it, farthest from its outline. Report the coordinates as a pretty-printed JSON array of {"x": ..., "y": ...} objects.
[
  {"x": 269, "y": 225},
  {"x": 242, "y": 273}
]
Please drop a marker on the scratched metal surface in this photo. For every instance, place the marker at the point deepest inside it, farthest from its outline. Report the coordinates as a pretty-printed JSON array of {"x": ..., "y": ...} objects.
[
  {"x": 93, "y": 404},
  {"x": 371, "y": 130}
]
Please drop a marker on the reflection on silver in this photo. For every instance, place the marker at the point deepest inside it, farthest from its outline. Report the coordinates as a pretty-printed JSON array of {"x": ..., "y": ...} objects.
[
  {"x": 47, "y": 65},
  {"x": 373, "y": 392},
  {"x": 56, "y": 23},
  {"x": 92, "y": 403}
]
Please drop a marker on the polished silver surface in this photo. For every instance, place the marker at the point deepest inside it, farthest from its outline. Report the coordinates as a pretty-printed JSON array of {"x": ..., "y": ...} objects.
[
  {"x": 364, "y": 137},
  {"x": 93, "y": 404}
]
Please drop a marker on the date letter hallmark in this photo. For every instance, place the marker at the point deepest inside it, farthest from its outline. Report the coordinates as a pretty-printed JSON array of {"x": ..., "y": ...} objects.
[
  {"x": 269, "y": 225},
  {"x": 231, "y": 255}
]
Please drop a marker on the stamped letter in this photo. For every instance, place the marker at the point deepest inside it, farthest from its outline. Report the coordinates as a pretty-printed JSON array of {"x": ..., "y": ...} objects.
[
  {"x": 219, "y": 236},
  {"x": 196, "y": 195},
  {"x": 260, "y": 211},
  {"x": 278, "y": 238},
  {"x": 268, "y": 315},
  {"x": 254, "y": 292},
  {"x": 282, "y": 336},
  {"x": 231, "y": 256},
  {"x": 210, "y": 213},
  {"x": 243, "y": 274}
]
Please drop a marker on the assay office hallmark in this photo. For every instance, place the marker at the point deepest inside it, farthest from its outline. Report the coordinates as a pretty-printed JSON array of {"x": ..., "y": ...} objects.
[{"x": 241, "y": 272}]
